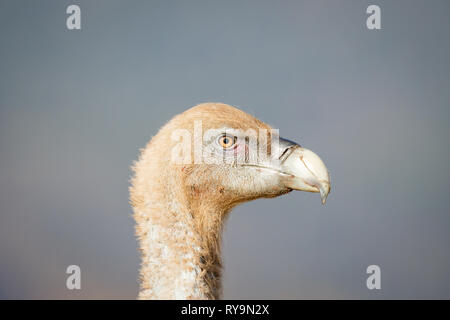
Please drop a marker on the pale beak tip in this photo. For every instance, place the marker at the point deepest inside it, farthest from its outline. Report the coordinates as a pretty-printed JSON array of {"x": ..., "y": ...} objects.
[
  {"x": 323, "y": 197},
  {"x": 324, "y": 190}
]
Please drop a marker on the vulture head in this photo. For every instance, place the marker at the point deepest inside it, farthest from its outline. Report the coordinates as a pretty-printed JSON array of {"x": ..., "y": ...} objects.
[{"x": 200, "y": 165}]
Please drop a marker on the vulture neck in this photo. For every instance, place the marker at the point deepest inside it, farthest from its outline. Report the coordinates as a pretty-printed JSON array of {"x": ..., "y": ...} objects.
[{"x": 180, "y": 239}]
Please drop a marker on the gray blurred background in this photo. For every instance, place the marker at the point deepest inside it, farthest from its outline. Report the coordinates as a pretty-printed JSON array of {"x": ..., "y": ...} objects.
[{"x": 76, "y": 106}]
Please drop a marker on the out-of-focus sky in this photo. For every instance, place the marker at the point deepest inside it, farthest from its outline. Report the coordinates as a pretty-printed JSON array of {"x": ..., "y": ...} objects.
[{"x": 76, "y": 106}]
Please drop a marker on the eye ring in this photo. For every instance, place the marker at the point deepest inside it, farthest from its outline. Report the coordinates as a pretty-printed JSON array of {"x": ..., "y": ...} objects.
[{"x": 226, "y": 141}]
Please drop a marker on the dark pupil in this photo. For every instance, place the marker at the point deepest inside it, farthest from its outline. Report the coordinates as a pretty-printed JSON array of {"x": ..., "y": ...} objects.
[{"x": 225, "y": 140}]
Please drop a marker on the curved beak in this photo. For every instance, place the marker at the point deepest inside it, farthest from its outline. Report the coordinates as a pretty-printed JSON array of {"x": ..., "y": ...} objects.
[{"x": 304, "y": 170}]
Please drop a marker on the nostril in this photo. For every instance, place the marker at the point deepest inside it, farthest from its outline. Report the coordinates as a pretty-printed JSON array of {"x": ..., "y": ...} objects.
[
  {"x": 287, "y": 146},
  {"x": 285, "y": 153}
]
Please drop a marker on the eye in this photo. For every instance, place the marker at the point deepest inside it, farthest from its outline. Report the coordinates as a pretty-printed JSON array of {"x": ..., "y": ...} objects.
[{"x": 227, "y": 141}]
